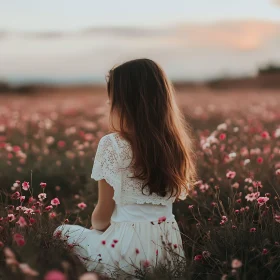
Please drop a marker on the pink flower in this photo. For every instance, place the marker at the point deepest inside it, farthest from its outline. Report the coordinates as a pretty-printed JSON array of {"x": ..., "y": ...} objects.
[
  {"x": 22, "y": 198},
  {"x": 264, "y": 251},
  {"x": 253, "y": 229},
  {"x": 277, "y": 172},
  {"x": 42, "y": 196},
  {"x": 61, "y": 144},
  {"x": 250, "y": 197},
  {"x": 265, "y": 135},
  {"x": 161, "y": 219},
  {"x": 82, "y": 205},
  {"x": 11, "y": 217},
  {"x": 198, "y": 257},
  {"x": 231, "y": 174},
  {"x": 259, "y": 160},
  {"x": 55, "y": 201},
  {"x": 222, "y": 136},
  {"x": 206, "y": 254},
  {"x": 15, "y": 195},
  {"x": 236, "y": 263},
  {"x": 137, "y": 251},
  {"x": 32, "y": 221},
  {"x": 146, "y": 263},
  {"x": 21, "y": 221},
  {"x": 1, "y": 244},
  {"x": 52, "y": 215},
  {"x": 55, "y": 275},
  {"x": 224, "y": 218},
  {"x": 19, "y": 239},
  {"x": 48, "y": 208},
  {"x": 27, "y": 270},
  {"x": 277, "y": 218},
  {"x": 25, "y": 186},
  {"x": 103, "y": 242},
  {"x": 190, "y": 206},
  {"x": 262, "y": 200},
  {"x": 43, "y": 185},
  {"x": 16, "y": 149}
]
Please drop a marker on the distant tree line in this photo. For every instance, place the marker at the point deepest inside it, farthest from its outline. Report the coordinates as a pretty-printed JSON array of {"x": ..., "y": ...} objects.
[{"x": 269, "y": 69}]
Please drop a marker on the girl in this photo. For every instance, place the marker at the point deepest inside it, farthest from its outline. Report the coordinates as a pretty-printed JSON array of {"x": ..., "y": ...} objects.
[{"x": 142, "y": 167}]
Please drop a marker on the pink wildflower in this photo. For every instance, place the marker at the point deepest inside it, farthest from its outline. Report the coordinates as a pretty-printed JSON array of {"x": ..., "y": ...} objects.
[
  {"x": 198, "y": 257},
  {"x": 11, "y": 217},
  {"x": 55, "y": 201},
  {"x": 146, "y": 263},
  {"x": 55, "y": 275},
  {"x": 19, "y": 239},
  {"x": 42, "y": 196},
  {"x": 82, "y": 205},
  {"x": 15, "y": 195},
  {"x": 21, "y": 221},
  {"x": 277, "y": 218},
  {"x": 262, "y": 200},
  {"x": 236, "y": 263},
  {"x": 27, "y": 270},
  {"x": 48, "y": 208},
  {"x": 222, "y": 136},
  {"x": 265, "y": 135},
  {"x": 25, "y": 186},
  {"x": 259, "y": 160},
  {"x": 161, "y": 219},
  {"x": 264, "y": 251},
  {"x": 231, "y": 174}
]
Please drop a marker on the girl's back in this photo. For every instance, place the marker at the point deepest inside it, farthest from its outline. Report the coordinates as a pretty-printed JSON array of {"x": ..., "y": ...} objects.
[{"x": 142, "y": 167}]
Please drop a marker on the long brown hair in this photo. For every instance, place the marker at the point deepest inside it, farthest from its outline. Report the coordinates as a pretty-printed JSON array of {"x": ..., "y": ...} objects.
[{"x": 156, "y": 129}]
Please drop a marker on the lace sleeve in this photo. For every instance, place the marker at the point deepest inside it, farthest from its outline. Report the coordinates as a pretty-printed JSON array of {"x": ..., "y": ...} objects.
[{"x": 105, "y": 164}]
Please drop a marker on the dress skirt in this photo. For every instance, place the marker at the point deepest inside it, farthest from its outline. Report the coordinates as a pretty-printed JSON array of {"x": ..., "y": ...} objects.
[{"x": 125, "y": 247}]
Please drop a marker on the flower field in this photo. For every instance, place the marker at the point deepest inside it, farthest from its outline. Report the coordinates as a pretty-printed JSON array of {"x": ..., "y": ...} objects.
[{"x": 230, "y": 224}]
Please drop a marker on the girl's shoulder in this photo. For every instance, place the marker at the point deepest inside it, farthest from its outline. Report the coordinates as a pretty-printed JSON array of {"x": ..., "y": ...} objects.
[
  {"x": 120, "y": 146},
  {"x": 117, "y": 139}
]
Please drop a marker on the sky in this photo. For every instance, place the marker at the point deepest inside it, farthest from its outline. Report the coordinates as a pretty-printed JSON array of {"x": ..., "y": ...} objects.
[
  {"x": 39, "y": 15},
  {"x": 191, "y": 39}
]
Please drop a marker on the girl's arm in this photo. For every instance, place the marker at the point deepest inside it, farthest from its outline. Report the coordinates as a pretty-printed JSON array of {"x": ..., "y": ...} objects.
[{"x": 101, "y": 216}]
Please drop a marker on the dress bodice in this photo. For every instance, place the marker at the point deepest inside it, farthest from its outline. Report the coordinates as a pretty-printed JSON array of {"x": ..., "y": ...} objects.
[{"x": 112, "y": 163}]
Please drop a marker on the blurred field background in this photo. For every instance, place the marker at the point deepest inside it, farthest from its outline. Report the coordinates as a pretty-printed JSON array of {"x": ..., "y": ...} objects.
[{"x": 224, "y": 61}]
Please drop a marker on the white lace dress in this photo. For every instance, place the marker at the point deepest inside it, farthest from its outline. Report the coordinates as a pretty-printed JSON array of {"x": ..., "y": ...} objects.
[{"x": 138, "y": 237}]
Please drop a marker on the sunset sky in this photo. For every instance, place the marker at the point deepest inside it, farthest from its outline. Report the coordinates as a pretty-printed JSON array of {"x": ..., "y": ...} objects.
[{"x": 196, "y": 39}]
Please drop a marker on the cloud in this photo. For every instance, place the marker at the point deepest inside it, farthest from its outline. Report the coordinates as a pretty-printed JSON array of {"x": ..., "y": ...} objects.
[
  {"x": 187, "y": 50},
  {"x": 277, "y": 2}
]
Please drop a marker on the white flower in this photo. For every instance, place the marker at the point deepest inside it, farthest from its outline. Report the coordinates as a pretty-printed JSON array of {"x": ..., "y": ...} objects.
[
  {"x": 277, "y": 132},
  {"x": 236, "y": 129},
  {"x": 222, "y": 126},
  {"x": 246, "y": 161},
  {"x": 42, "y": 196},
  {"x": 232, "y": 155}
]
